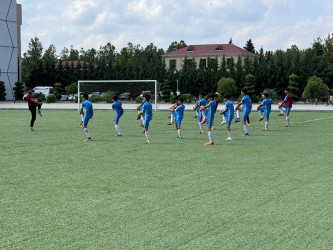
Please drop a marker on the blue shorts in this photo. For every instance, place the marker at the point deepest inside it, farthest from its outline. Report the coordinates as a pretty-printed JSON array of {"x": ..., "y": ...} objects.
[
  {"x": 146, "y": 122},
  {"x": 284, "y": 105},
  {"x": 245, "y": 114},
  {"x": 210, "y": 122},
  {"x": 86, "y": 120},
  {"x": 199, "y": 116},
  {"x": 117, "y": 117},
  {"x": 266, "y": 115},
  {"x": 287, "y": 110},
  {"x": 262, "y": 109},
  {"x": 179, "y": 121},
  {"x": 228, "y": 120}
]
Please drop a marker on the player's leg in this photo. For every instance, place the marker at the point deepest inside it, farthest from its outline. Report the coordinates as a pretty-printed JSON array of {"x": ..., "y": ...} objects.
[
  {"x": 39, "y": 106},
  {"x": 33, "y": 117},
  {"x": 266, "y": 114},
  {"x": 199, "y": 123},
  {"x": 228, "y": 123},
  {"x": 238, "y": 113},
  {"x": 261, "y": 113},
  {"x": 287, "y": 111},
  {"x": 85, "y": 129},
  {"x": 204, "y": 117},
  {"x": 178, "y": 122},
  {"x": 146, "y": 126},
  {"x": 171, "y": 118},
  {"x": 245, "y": 115},
  {"x": 223, "y": 119},
  {"x": 210, "y": 133},
  {"x": 116, "y": 121},
  {"x": 281, "y": 108}
]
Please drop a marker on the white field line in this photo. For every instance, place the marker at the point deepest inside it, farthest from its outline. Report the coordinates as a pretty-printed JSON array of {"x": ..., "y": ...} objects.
[{"x": 316, "y": 119}]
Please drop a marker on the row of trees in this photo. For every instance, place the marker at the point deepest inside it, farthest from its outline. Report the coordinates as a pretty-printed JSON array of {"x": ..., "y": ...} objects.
[{"x": 269, "y": 70}]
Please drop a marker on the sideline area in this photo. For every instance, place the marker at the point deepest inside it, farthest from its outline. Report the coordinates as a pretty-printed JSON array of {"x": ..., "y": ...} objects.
[{"x": 161, "y": 106}]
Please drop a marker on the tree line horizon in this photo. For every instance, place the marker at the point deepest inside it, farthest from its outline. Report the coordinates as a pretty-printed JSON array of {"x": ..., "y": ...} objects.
[{"x": 268, "y": 70}]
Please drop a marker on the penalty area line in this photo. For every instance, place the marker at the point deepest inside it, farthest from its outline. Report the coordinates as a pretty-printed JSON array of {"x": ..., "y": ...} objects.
[{"x": 316, "y": 119}]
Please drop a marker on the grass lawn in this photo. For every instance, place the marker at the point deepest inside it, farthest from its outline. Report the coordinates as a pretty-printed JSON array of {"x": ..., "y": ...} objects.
[{"x": 271, "y": 190}]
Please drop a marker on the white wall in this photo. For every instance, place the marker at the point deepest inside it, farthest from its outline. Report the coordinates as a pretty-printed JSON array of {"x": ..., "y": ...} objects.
[{"x": 8, "y": 46}]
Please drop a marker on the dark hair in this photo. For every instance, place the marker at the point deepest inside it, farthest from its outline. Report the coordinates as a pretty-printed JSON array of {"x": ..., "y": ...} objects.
[
  {"x": 227, "y": 97},
  {"x": 244, "y": 91},
  {"x": 181, "y": 99},
  {"x": 85, "y": 96},
  {"x": 201, "y": 93},
  {"x": 177, "y": 97},
  {"x": 115, "y": 98},
  {"x": 211, "y": 95},
  {"x": 28, "y": 89},
  {"x": 266, "y": 95},
  {"x": 147, "y": 96},
  {"x": 287, "y": 89}
]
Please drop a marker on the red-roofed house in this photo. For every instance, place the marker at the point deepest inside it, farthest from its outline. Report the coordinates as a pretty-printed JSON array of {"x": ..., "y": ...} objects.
[{"x": 200, "y": 53}]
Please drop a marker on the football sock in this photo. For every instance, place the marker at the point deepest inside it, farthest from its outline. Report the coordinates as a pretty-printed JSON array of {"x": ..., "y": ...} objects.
[
  {"x": 87, "y": 132},
  {"x": 245, "y": 129},
  {"x": 229, "y": 134},
  {"x": 223, "y": 117},
  {"x": 147, "y": 135},
  {"x": 142, "y": 118},
  {"x": 238, "y": 113},
  {"x": 287, "y": 120},
  {"x": 203, "y": 114},
  {"x": 171, "y": 119},
  {"x": 266, "y": 125},
  {"x": 82, "y": 118},
  {"x": 179, "y": 133},
  {"x": 260, "y": 113},
  {"x": 281, "y": 110},
  {"x": 201, "y": 127},
  {"x": 210, "y": 136},
  {"x": 117, "y": 128}
]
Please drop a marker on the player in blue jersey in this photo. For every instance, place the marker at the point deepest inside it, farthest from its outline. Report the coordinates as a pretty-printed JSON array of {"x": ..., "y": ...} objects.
[
  {"x": 179, "y": 114},
  {"x": 228, "y": 112},
  {"x": 117, "y": 107},
  {"x": 147, "y": 111},
  {"x": 267, "y": 106},
  {"x": 210, "y": 107},
  {"x": 201, "y": 103},
  {"x": 246, "y": 106},
  {"x": 172, "y": 115},
  {"x": 87, "y": 112},
  {"x": 140, "y": 116}
]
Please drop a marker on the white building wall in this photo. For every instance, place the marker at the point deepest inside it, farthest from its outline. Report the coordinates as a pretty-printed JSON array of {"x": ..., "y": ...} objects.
[{"x": 8, "y": 46}]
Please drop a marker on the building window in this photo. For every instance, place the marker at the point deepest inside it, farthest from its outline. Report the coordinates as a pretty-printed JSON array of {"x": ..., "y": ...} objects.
[
  {"x": 172, "y": 64},
  {"x": 189, "y": 63},
  {"x": 212, "y": 62},
  {"x": 228, "y": 61},
  {"x": 203, "y": 62}
]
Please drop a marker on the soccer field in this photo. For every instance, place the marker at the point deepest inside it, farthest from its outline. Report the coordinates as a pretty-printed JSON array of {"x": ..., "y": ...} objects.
[{"x": 271, "y": 190}]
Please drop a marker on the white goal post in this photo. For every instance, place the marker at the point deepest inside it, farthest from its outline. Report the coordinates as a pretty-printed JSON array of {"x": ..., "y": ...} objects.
[{"x": 115, "y": 81}]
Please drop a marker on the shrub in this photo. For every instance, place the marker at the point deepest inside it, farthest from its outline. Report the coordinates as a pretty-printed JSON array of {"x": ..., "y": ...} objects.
[
  {"x": 19, "y": 90},
  {"x": 51, "y": 99},
  {"x": 187, "y": 97},
  {"x": 108, "y": 96},
  {"x": 40, "y": 96},
  {"x": 315, "y": 89},
  {"x": 81, "y": 98},
  {"x": 139, "y": 99},
  {"x": 273, "y": 95},
  {"x": 94, "y": 98},
  {"x": 227, "y": 86},
  {"x": 173, "y": 99},
  {"x": 2, "y": 91}
]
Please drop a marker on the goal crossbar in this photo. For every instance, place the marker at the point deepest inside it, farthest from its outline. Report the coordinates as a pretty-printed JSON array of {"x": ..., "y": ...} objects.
[{"x": 114, "y": 81}]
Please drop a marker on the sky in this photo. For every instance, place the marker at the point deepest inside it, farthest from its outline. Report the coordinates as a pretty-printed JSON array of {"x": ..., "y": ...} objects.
[{"x": 270, "y": 24}]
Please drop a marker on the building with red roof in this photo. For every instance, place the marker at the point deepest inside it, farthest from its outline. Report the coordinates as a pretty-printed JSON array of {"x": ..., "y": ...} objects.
[{"x": 199, "y": 54}]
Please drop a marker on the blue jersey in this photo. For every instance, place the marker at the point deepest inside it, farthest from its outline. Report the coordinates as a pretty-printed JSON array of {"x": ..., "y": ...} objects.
[
  {"x": 180, "y": 111},
  {"x": 148, "y": 108},
  {"x": 88, "y": 109},
  {"x": 142, "y": 103},
  {"x": 117, "y": 106},
  {"x": 230, "y": 107},
  {"x": 246, "y": 101},
  {"x": 202, "y": 102},
  {"x": 211, "y": 110},
  {"x": 267, "y": 104}
]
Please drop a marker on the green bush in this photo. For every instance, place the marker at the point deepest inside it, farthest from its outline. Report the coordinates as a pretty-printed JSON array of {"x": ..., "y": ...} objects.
[
  {"x": 139, "y": 99},
  {"x": 173, "y": 99},
  {"x": 109, "y": 95},
  {"x": 95, "y": 98},
  {"x": 273, "y": 95},
  {"x": 51, "y": 99},
  {"x": 40, "y": 96},
  {"x": 81, "y": 98},
  {"x": 187, "y": 98},
  {"x": 19, "y": 90},
  {"x": 2, "y": 91},
  {"x": 227, "y": 86}
]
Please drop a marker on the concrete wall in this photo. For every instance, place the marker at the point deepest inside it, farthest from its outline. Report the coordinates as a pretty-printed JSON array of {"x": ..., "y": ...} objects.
[{"x": 8, "y": 45}]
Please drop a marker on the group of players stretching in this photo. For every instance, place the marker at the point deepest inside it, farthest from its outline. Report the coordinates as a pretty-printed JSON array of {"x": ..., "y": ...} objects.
[{"x": 205, "y": 112}]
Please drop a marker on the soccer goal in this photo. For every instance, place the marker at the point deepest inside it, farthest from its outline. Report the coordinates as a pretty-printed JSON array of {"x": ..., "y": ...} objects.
[{"x": 127, "y": 89}]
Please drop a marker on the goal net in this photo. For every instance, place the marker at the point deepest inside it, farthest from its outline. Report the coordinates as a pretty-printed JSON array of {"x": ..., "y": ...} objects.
[{"x": 127, "y": 90}]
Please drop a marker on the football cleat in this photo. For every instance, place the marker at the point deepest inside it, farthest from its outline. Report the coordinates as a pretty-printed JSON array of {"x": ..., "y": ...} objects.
[
  {"x": 261, "y": 118},
  {"x": 209, "y": 143},
  {"x": 118, "y": 135},
  {"x": 223, "y": 122},
  {"x": 203, "y": 121},
  {"x": 147, "y": 142},
  {"x": 170, "y": 123},
  {"x": 281, "y": 114},
  {"x": 31, "y": 129},
  {"x": 237, "y": 120},
  {"x": 80, "y": 123},
  {"x": 228, "y": 139},
  {"x": 265, "y": 129},
  {"x": 288, "y": 126},
  {"x": 245, "y": 134},
  {"x": 39, "y": 113},
  {"x": 179, "y": 137},
  {"x": 88, "y": 139},
  {"x": 201, "y": 133}
]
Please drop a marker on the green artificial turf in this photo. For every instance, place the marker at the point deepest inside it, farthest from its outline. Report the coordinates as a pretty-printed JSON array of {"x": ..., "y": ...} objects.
[{"x": 271, "y": 190}]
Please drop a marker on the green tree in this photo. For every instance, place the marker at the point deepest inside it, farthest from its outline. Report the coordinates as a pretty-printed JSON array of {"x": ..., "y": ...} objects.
[
  {"x": 2, "y": 91},
  {"x": 58, "y": 90},
  {"x": 175, "y": 46},
  {"x": 294, "y": 87},
  {"x": 18, "y": 90},
  {"x": 249, "y": 46},
  {"x": 315, "y": 89},
  {"x": 227, "y": 86},
  {"x": 72, "y": 88},
  {"x": 250, "y": 83},
  {"x": 166, "y": 91},
  {"x": 329, "y": 49}
]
